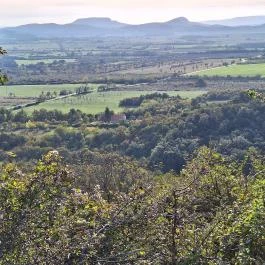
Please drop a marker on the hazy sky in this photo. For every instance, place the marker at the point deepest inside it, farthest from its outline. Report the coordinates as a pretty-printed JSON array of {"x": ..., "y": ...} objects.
[{"x": 14, "y": 12}]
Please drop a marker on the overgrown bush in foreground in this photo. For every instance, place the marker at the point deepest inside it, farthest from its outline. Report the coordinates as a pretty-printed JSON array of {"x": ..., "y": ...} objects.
[{"x": 213, "y": 213}]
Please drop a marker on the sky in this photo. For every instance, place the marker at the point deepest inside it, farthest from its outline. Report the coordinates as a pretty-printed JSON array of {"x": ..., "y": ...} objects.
[{"x": 17, "y": 12}]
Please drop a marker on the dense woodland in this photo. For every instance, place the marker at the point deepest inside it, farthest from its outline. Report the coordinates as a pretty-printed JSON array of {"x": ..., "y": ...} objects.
[{"x": 163, "y": 132}]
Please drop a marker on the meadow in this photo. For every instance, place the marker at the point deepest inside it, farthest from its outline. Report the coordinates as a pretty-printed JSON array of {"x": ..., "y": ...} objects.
[
  {"x": 246, "y": 70},
  {"x": 36, "y": 90},
  {"x": 97, "y": 102}
]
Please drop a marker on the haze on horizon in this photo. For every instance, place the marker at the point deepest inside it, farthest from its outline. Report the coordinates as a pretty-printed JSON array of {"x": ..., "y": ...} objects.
[{"x": 17, "y": 12}]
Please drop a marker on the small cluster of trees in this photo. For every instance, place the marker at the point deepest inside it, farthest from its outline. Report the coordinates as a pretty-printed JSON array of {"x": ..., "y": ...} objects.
[
  {"x": 137, "y": 101},
  {"x": 83, "y": 90},
  {"x": 64, "y": 92},
  {"x": 46, "y": 96}
]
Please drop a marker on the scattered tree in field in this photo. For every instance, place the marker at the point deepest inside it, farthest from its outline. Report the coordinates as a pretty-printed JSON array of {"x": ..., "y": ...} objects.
[
  {"x": 107, "y": 114},
  {"x": 201, "y": 83}
]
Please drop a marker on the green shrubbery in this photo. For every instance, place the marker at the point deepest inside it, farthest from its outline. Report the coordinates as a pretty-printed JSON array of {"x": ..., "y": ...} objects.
[{"x": 212, "y": 213}]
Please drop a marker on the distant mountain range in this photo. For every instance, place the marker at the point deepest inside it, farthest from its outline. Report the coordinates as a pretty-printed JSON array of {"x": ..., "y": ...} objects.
[
  {"x": 239, "y": 21},
  {"x": 105, "y": 27}
]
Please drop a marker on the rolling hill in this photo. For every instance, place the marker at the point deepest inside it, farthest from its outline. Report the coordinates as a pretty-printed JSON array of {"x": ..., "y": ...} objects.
[{"x": 105, "y": 27}]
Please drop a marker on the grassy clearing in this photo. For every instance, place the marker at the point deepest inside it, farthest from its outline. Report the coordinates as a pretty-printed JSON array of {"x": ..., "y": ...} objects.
[
  {"x": 235, "y": 70},
  {"x": 96, "y": 102},
  {"x": 36, "y": 90}
]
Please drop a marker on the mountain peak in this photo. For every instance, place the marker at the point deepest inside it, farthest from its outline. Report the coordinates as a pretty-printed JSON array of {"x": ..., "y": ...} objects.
[
  {"x": 92, "y": 19},
  {"x": 179, "y": 20},
  {"x": 101, "y": 22}
]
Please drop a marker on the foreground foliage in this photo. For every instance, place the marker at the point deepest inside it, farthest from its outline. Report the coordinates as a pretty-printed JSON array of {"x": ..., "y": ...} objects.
[
  {"x": 3, "y": 77},
  {"x": 213, "y": 213}
]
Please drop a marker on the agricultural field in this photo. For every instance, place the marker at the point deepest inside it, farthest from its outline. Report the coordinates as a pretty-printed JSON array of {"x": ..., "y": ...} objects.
[
  {"x": 246, "y": 70},
  {"x": 97, "y": 102},
  {"x": 177, "y": 67},
  {"x": 36, "y": 90},
  {"x": 126, "y": 60}
]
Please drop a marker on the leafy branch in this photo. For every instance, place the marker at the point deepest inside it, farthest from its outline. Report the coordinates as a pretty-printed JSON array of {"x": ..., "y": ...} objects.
[{"x": 3, "y": 77}]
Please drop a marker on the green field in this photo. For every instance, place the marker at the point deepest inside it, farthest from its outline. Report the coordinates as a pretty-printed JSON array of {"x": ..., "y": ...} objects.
[
  {"x": 235, "y": 70},
  {"x": 96, "y": 102},
  {"x": 35, "y": 90},
  {"x": 46, "y": 61}
]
